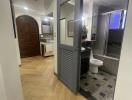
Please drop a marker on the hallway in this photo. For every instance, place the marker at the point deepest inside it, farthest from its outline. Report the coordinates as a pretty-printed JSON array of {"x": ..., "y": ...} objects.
[{"x": 40, "y": 83}]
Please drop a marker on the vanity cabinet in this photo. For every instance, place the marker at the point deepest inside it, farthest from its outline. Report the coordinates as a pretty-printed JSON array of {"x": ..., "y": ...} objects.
[{"x": 47, "y": 48}]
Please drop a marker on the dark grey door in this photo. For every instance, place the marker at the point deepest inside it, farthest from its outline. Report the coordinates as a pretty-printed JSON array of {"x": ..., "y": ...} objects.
[{"x": 69, "y": 22}]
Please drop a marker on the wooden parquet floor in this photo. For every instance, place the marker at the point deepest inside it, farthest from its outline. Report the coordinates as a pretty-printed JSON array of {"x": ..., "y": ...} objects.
[{"x": 40, "y": 83}]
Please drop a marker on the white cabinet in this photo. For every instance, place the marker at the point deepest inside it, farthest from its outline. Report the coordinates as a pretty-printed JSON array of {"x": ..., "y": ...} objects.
[{"x": 47, "y": 48}]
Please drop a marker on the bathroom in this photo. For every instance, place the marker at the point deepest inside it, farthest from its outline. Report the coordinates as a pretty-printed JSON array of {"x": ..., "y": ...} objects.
[
  {"x": 90, "y": 36},
  {"x": 103, "y": 27}
]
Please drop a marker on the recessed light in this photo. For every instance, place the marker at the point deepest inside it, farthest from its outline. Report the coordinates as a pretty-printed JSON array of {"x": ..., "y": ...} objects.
[
  {"x": 51, "y": 18},
  {"x": 26, "y": 8},
  {"x": 83, "y": 17},
  {"x": 46, "y": 19}
]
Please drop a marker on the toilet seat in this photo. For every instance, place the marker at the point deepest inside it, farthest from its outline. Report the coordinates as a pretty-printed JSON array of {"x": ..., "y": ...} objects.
[
  {"x": 94, "y": 65},
  {"x": 96, "y": 62}
]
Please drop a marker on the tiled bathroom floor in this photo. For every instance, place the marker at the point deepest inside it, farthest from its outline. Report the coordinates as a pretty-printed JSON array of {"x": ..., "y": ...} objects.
[{"x": 98, "y": 86}]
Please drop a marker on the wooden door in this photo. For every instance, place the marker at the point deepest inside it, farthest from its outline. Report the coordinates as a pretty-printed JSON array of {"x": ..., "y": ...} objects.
[{"x": 28, "y": 36}]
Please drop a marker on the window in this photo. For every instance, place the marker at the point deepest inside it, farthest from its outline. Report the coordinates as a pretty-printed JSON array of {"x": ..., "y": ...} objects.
[{"x": 115, "y": 20}]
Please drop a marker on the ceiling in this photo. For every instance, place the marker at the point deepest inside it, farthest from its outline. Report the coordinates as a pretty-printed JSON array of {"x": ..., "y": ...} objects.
[
  {"x": 112, "y": 3},
  {"x": 39, "y": 6},
  {"x": 71, "y": 2}
]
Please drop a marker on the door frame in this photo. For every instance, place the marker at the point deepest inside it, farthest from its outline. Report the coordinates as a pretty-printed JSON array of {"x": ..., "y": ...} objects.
[
  {"x": 76, "y": 43},
  {"x": 13, "y": 18}
]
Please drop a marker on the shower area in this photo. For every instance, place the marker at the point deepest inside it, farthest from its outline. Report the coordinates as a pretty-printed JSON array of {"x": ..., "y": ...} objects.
[{"x": 108, "y": 36}]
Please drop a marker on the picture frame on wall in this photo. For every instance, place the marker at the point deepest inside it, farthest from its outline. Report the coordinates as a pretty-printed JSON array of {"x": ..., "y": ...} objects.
[{"x": 70, "y": 28}]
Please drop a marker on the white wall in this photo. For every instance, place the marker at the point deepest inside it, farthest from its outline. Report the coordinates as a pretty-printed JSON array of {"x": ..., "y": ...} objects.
[
  {"x": 55, "y": 36},
  {"x": 8, "y": 56},
  {"x": 87, "y": 14},
  {"x": 17, "y": 51},
  {"x": 49, "y": 7},
  {"x": 95, "y": 19},
  {"x": 124, "y": 80},
  {"x": 2, "y": 86},
  {"x": 37, "y": 17}
]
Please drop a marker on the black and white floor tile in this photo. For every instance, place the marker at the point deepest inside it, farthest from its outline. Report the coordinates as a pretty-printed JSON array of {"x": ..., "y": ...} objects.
[{"x": 98, "y": 86}]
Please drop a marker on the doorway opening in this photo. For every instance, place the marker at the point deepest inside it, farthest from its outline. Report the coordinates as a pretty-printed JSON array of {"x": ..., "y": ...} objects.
[
  {"x": 89, "y": 45},
  {"x": 101, "y": 53},
  {"x": 38, "y": 18},
  {"x": 35, "y": 37}
]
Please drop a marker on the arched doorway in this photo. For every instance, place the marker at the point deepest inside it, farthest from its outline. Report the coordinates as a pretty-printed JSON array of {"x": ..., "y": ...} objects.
[{"x": 28, "y": 36}]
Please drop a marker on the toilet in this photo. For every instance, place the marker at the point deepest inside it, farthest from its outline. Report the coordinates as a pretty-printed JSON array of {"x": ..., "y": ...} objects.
[{"x": 94, "y": 64}]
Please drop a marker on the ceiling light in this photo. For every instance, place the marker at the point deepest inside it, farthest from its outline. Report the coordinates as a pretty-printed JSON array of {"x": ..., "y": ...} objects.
[
  {"x": 26, "y": 8},
  {"x": 46, "y": 19},
  {"x": 51, "y": 18},
  {"x": 83, "y": 18}
]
